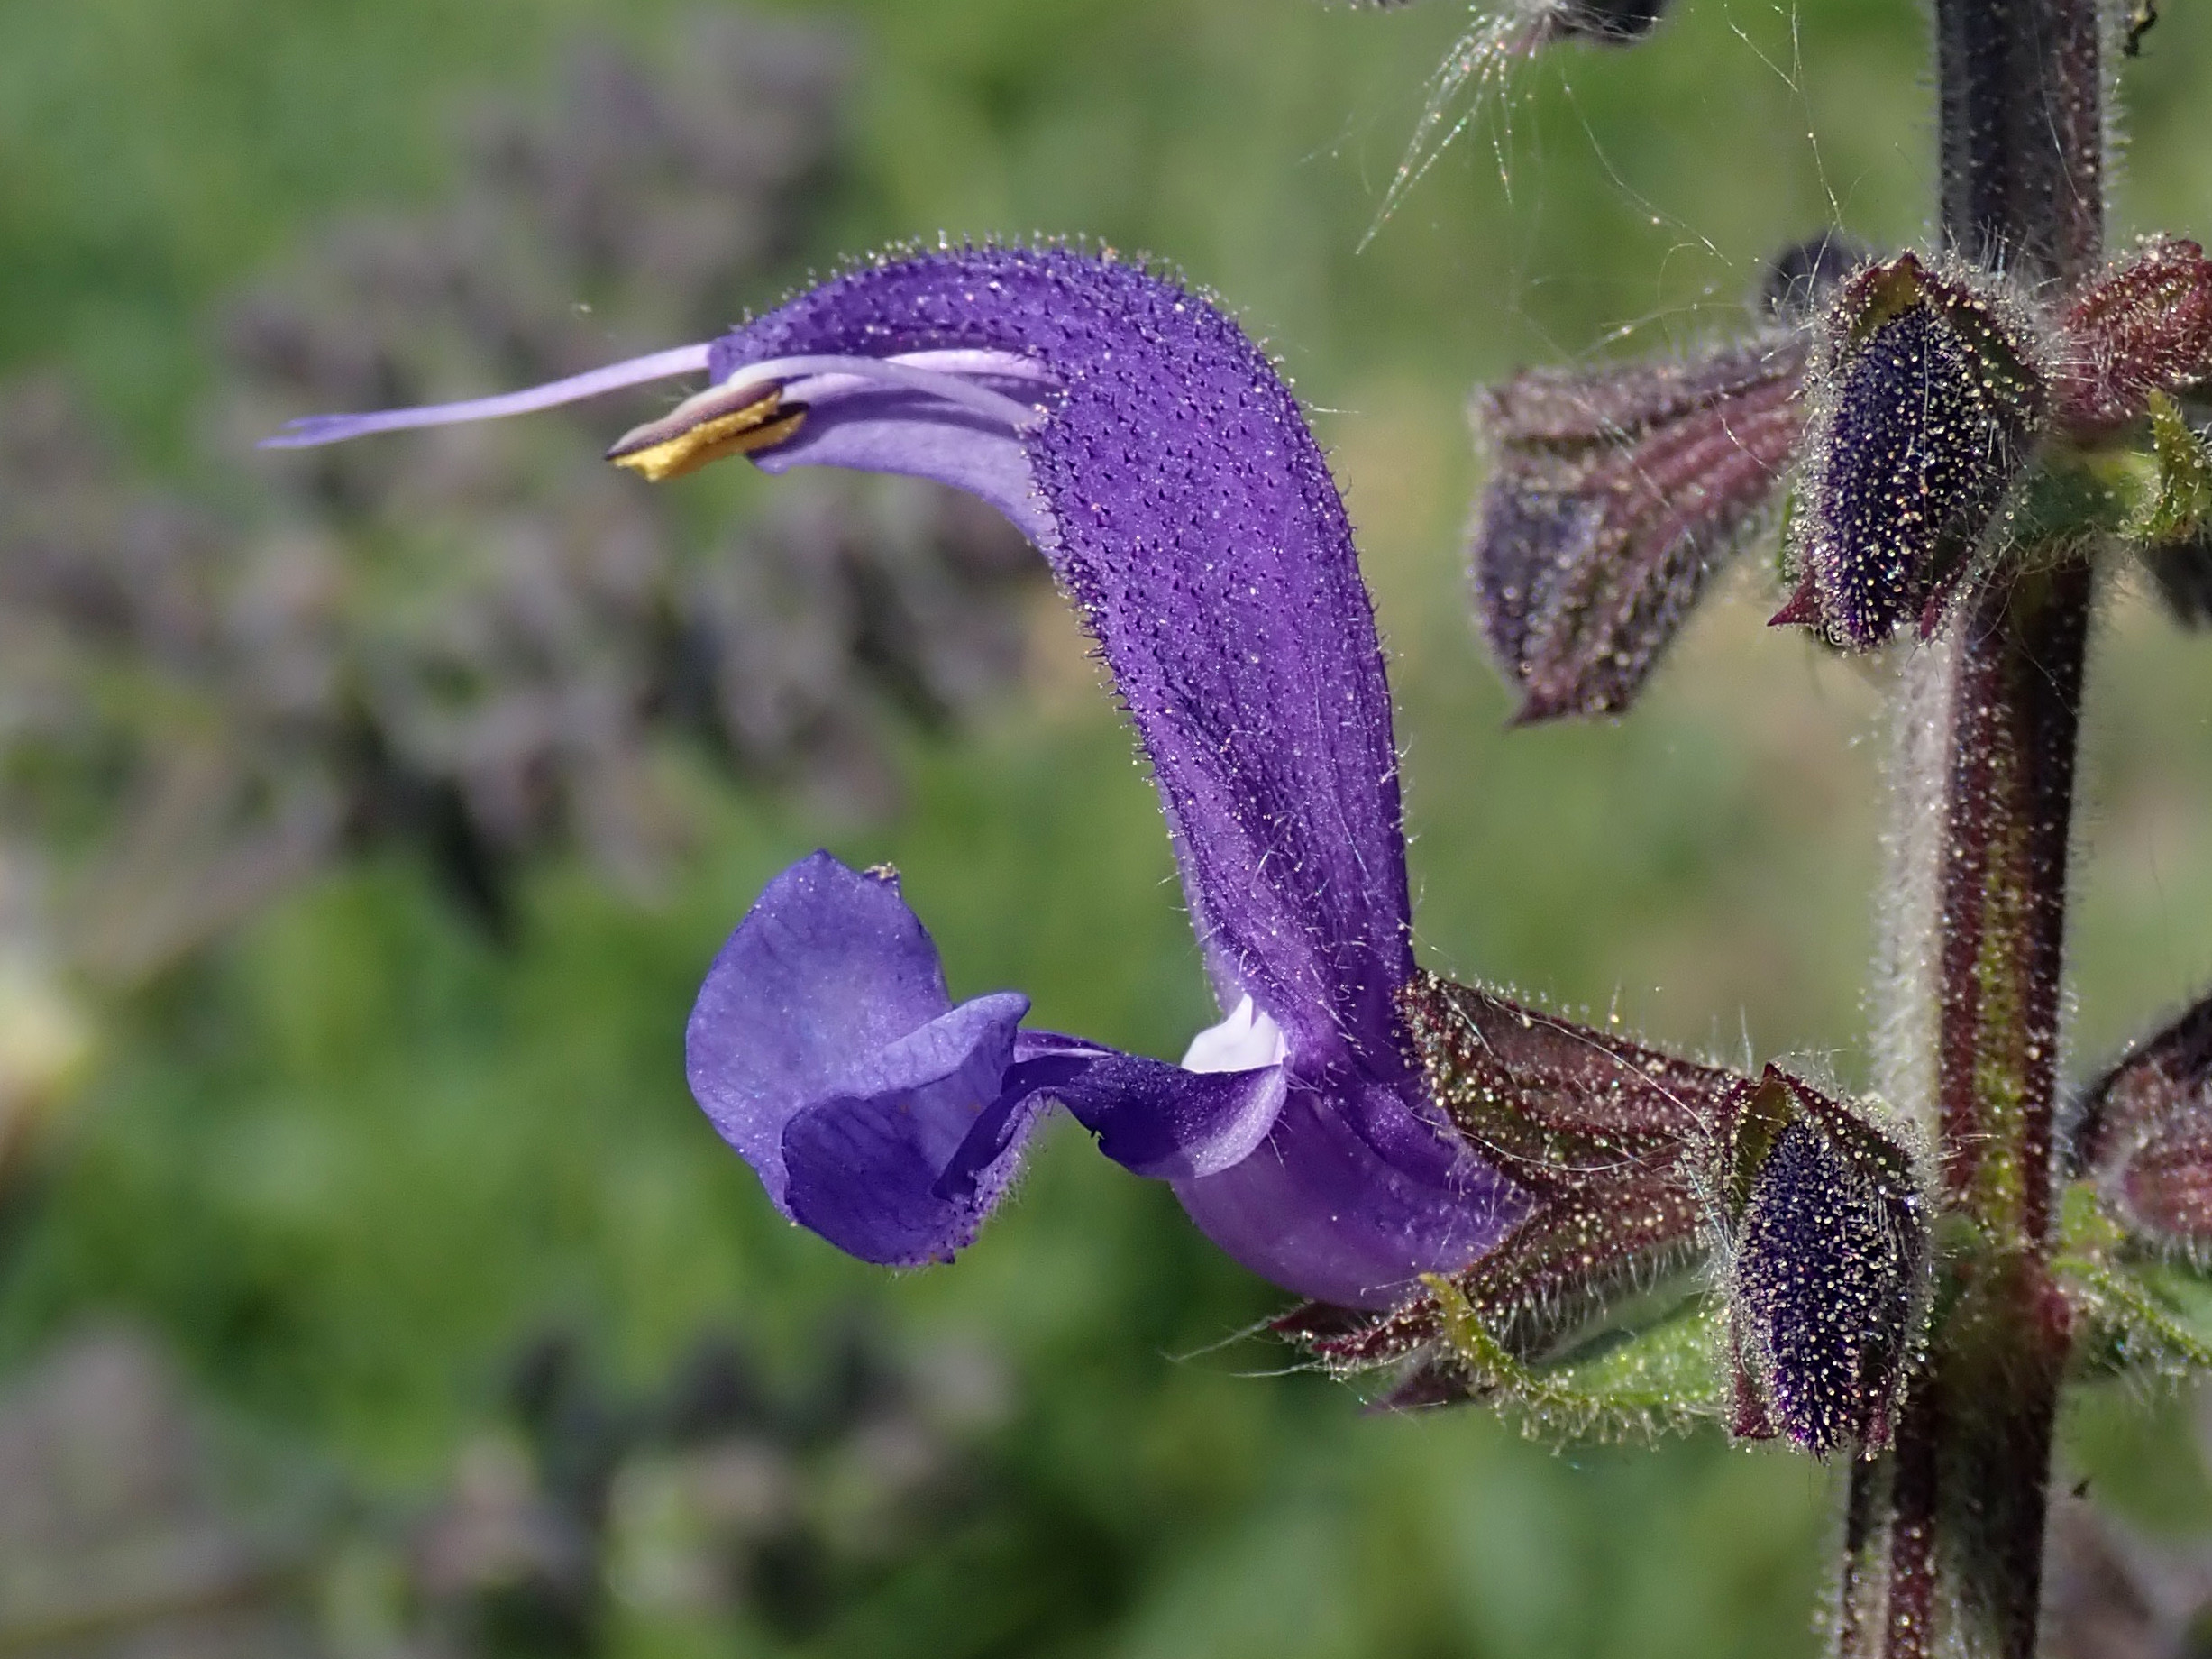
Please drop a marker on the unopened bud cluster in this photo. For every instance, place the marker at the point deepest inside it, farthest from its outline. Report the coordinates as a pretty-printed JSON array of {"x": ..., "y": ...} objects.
[{"x": 1904, "y": 408}]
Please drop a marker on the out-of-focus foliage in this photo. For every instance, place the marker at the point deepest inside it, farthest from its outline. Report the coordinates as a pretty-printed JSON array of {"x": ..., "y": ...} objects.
[
  {"x": 347, "y": 1163},
  {"x": 120, "y": 1523},
  {"x": 472, "y": 644}
]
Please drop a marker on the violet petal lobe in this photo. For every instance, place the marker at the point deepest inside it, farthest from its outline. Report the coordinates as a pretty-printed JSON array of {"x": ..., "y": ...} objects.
[
  {"x": 1151, "y": 1117},
  {"x": 825, "y": 1049},
  {"x": 866, "y": 1167}
]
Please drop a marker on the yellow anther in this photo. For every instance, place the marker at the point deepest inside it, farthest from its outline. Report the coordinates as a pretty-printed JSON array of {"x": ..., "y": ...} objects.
[{"x": 757, "y": 425}]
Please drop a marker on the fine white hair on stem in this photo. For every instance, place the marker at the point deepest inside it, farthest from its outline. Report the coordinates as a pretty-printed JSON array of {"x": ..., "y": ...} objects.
[{"x": 1909, "y": 905}]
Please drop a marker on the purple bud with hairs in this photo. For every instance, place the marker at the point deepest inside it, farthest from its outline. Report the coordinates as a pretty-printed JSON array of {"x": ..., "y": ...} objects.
[
  {"x": 1829, "y": 1264},
  {"x": 1926, "y": 405}
]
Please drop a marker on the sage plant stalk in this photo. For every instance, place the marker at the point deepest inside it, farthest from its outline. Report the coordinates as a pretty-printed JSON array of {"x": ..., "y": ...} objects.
[
  {"x": 1944, "y": 1536},
  {"x": 1480, "y": 1199}
]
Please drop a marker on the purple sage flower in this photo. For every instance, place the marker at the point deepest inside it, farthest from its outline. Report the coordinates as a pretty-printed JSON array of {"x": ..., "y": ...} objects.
[{"x": 1157, "y": 461}]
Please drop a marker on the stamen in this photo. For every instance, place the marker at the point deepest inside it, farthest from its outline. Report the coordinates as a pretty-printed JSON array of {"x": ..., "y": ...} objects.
[
  {"x": 715, "y": 407},
  {"x": 950, "y": 375},
  {"x": 742, "y": 414},
  {"x": 756, "y": 426}
]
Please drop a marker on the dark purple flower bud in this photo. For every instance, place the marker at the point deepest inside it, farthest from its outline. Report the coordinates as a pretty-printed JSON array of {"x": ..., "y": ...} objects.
[
  {"x": 1800, "y": 280},
  {"x": 2145, "y": 1133},
  {"x": 1926, "y": 405},
  {"x": 1830, "y": 1258},
  {"x": 2145, "y": 326},
  {"x": 1614, "y": 497}
]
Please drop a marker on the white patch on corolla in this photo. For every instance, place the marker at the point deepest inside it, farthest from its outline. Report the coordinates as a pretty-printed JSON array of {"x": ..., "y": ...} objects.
[{"x": 1244, "y": 1041}]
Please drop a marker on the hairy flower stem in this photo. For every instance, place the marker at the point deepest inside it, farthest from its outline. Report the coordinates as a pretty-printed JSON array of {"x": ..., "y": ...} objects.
[
  {"x": 1990, "y": 715},
  {"x": 1945, "y": 1533},
  {"x": 2023, "y": 133}
]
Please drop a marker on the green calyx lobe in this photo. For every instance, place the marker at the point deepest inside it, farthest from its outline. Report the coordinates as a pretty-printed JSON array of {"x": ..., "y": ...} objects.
[
  {"x": 2180, "y": 504},
  {"x": 2147, "y": 486},
  {"x": 2138, "y": 1309}
]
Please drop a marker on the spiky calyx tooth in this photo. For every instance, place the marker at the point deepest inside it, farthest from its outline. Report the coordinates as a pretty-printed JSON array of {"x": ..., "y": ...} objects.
[{"x": 1604, "y": 1134}]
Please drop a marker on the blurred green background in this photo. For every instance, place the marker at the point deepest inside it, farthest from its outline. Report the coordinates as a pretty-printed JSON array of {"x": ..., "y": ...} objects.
[{"x": 417, "y": 1213}]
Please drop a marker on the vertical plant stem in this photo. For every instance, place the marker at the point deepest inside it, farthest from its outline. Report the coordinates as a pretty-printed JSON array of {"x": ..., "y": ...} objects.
[
  {"x": 2023, "y": 133},
  {"x": 1907, "y": 1627},
  {"x": 1861, "y": 1577},
  {"x": 1991, "y": 719},
  {"x": 1988, "y": 729},
  {"x": 2012, "y": 719}
]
